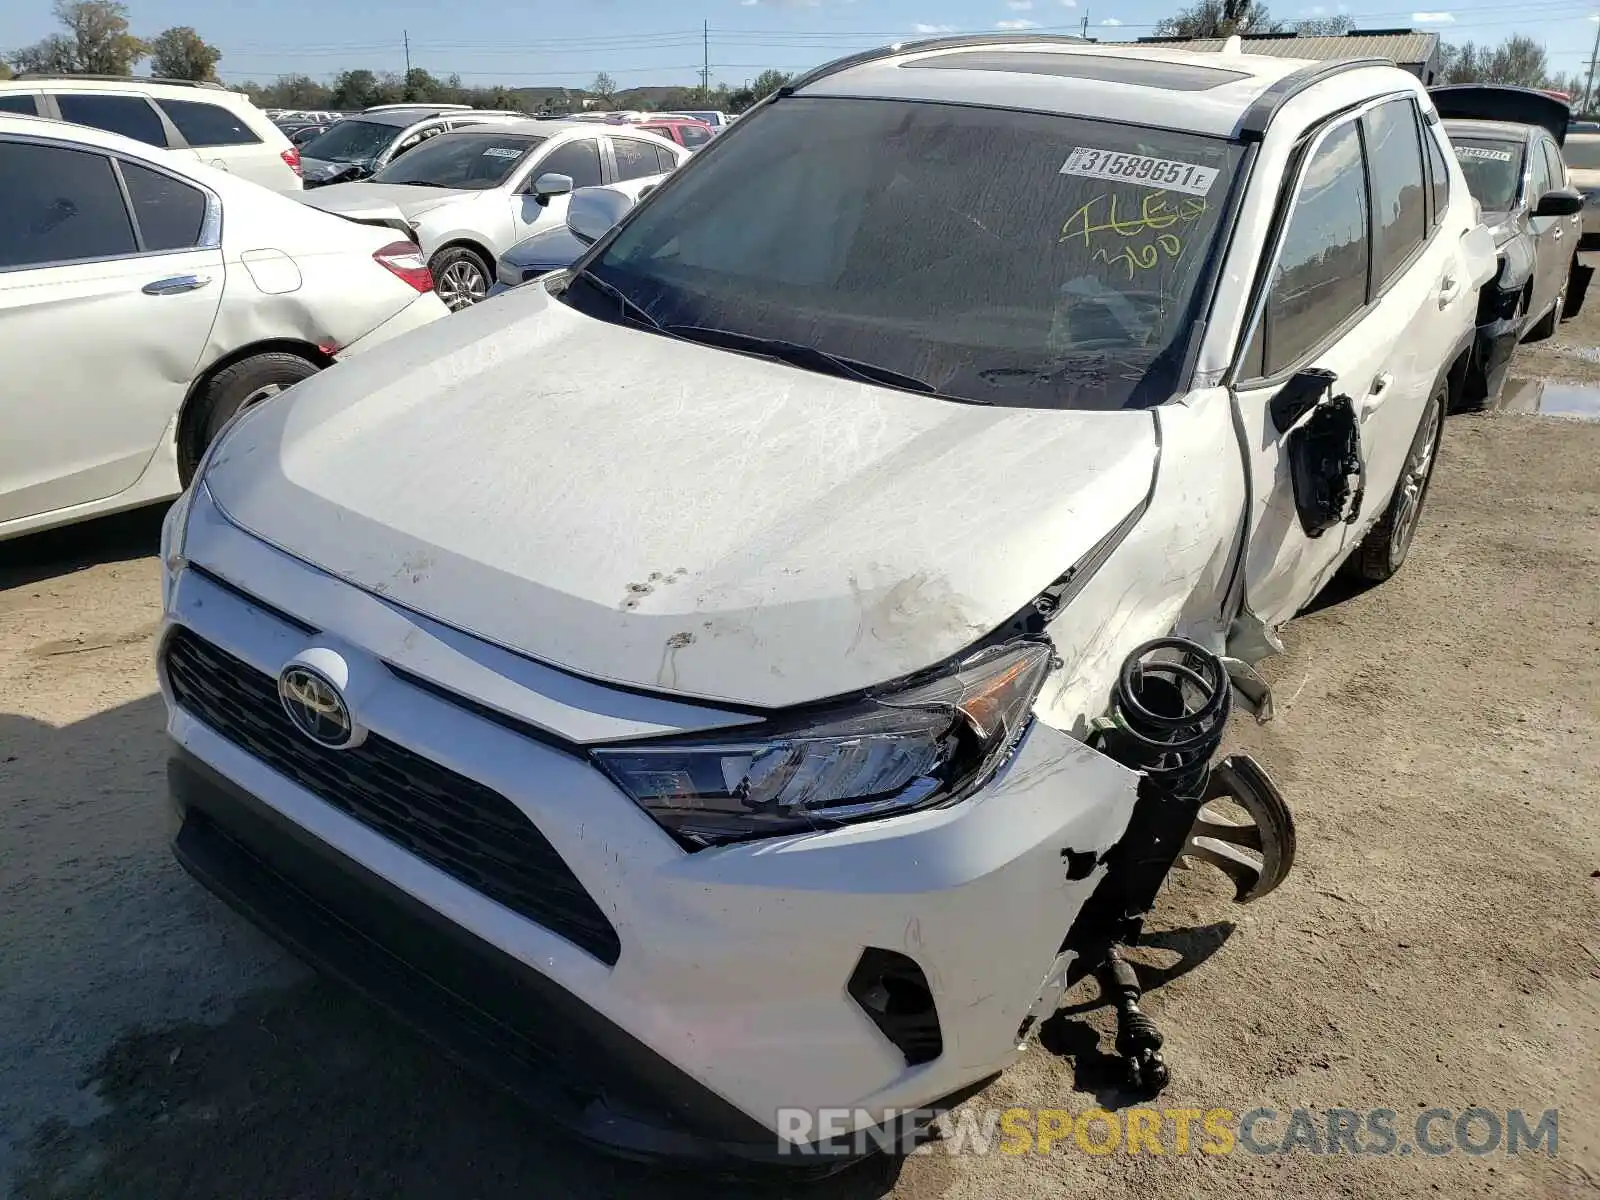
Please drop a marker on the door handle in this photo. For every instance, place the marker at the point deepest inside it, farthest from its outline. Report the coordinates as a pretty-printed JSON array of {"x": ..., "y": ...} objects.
[
  {"x": 1449, "y": 289},
  {"x": 175, "y": 285},
  {"x": 1559, "y": 232},
  {"x": 1381, "y": 382}
]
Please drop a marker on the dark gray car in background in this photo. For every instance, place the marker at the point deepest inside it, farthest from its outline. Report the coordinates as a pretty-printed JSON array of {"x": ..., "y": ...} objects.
[{"x": 1508, "y": 142}]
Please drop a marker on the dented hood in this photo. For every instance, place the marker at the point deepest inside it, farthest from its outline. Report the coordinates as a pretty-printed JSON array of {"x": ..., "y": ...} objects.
[{"x": 679, "y": 518}]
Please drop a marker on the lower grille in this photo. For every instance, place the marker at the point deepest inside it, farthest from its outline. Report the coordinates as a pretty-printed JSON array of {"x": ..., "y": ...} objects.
[{"x": 456, "y": 824}]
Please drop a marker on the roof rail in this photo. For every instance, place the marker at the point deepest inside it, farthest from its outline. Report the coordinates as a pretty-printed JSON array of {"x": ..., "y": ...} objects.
[
  {"x": 418, "y": 104},
  {"x": 1259, "y": 115},
  {"x": 195, "y": 83},
  {"x": 953, "y": 42}
]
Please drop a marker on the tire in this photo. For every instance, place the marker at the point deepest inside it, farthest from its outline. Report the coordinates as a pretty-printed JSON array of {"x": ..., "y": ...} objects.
[
  {"x": 1546, "y": 327},
  {"x": 1383, "y": 551},
  {"x": 461, "y": 277},
  {"x": 243, "y": 384}
]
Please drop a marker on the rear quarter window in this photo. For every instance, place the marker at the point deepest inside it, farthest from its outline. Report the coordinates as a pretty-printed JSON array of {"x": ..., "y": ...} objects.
[
  {"x": 204, "y": 124},
  {"x": 131, "y": 116}
]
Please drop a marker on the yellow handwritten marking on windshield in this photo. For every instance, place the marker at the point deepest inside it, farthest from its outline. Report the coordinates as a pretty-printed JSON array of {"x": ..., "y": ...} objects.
[{"x": 1155, "y": 214}]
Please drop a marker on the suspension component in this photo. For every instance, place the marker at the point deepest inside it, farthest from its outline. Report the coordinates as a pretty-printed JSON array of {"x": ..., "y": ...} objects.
[{"x": 1169, "y": 710}]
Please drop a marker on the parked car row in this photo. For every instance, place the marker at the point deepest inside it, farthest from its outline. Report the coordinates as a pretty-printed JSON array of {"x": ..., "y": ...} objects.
[{"x": 1508, "y": 142}]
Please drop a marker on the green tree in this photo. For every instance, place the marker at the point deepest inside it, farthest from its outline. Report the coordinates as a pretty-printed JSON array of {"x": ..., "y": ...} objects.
[
  {"x": 1219, "y": 18},
  {"x": 768, "y": 82},
  {"x": 355, "y": 90},
  {"x": 180, "y": 53},
  {"x": 96, "y": 42},
  {"x": 1518, "y": 60},
  {"x": 604, "y": 89},
  {"x": 1338, "y": 23},
  {"x": 5, "y": 71}
]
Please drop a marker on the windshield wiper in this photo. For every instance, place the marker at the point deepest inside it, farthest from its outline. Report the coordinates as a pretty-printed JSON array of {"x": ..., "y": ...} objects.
[
  {"x": 600, "y": 285},
  {"x": 809, "y": 357}
]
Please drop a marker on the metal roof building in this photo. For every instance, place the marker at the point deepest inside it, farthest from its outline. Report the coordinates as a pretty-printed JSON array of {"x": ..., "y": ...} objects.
[{"x": 1409, "y": 49}]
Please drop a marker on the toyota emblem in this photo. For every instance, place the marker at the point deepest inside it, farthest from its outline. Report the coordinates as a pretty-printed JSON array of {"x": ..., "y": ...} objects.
[{"x": 315, "y": 707}]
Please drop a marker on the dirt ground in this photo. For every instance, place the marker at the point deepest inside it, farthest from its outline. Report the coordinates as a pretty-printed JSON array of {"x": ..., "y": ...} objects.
[{"x": 1438, "y": 943}]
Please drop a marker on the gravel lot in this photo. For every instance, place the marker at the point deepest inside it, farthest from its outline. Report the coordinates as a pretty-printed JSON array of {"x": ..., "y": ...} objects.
[{"x": 1437, "y": 944}]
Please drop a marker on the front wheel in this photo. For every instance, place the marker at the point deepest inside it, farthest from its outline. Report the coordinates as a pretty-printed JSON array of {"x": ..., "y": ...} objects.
[
  {"x": 1383, "y": 551},
  {"x": 460, "y": 277}
]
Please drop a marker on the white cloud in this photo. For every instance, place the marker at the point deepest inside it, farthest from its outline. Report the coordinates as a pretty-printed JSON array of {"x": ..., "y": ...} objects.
[
  {"x": 1111, "y": 21},
  {"x": 919, "y": 27},
  {"x": 1069, "y": 3},
  {"x": 1433, "y": 18},
  {"x": 1016, "y": 24},
  {"x": 1019, "y": 5}
]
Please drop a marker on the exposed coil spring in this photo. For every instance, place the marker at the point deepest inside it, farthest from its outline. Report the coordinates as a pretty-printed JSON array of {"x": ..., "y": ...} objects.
[{"x": 1172, "y": 713}]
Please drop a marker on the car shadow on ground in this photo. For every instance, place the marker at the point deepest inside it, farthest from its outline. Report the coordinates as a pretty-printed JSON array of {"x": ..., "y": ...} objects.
[
  {"x": 1067, "y": 1033},
  {"x": 311, "y": 1092},
  {"x": 121, "y": 537},
  {"x": 217, "y": 1070}
]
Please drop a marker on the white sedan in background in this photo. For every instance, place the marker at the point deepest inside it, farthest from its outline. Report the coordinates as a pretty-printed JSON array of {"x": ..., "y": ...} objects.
[
  {"x": 472, "y": 195},
  {"x": 145, "y": 300}
]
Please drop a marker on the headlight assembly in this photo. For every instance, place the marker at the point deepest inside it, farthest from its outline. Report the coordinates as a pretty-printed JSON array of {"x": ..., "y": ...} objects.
[{"x": 898, "y": 752}]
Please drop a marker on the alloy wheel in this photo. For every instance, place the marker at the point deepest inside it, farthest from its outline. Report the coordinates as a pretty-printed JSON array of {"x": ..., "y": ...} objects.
[
  {"x": 461, "y": 284},
  {"x": 1414, "y": 483}
]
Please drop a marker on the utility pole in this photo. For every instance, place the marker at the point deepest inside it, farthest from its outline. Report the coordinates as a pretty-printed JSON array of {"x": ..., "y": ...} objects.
[
  {"x": 406, "y": 34},
  {"x": 1588, "y": 88},
  {"x": 1086, "y": 24},
  {"x": 705, "y": 69}
]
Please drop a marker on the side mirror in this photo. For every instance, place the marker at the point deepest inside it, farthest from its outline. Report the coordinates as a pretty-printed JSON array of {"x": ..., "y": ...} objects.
[
  {"x": 1559, "y": 202},
  {"x": 551, "y": 184},
  {"x": 594, "y": 210},
  {"x": 1299, "y": 396}
]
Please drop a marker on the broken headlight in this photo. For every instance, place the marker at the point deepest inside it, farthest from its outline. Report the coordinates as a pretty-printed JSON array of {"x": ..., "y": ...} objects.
[{"x": 916, "y": 748}]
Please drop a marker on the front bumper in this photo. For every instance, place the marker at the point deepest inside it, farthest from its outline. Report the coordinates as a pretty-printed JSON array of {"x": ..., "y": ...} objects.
[{"x": 729, "y": 998}]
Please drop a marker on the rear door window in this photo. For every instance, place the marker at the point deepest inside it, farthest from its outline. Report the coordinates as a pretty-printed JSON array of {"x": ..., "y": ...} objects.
[
  {"x": 1438, "y": 172},
  {"x": 131, "y": 116},
  {"x": 1399, "y": 200},
  {"x": 635, "y": 159},
  {"x": 59, "y": 205},
  {"x": 693, "y": 136},
  {"x": 171, "y": 214},
  {"x": 580, "y": 160},
  {"x": 24, "y": 104},
  {"x": 208, "y": 124}
]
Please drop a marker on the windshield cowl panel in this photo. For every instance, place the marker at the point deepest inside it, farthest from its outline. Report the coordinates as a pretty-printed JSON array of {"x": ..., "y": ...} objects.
[{"x": 1002, "y": 257}]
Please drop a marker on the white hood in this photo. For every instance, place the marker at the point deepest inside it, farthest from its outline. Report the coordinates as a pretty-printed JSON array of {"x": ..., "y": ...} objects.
[
  {"x": 368, "y": 200},
  {"x": 680, "y": 518}
]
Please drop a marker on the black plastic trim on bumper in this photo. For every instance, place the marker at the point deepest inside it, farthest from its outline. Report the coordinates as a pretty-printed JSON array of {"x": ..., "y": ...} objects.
[
  {"x": 498, "y": 1017},
  {"x": 501, "y": 1019}
]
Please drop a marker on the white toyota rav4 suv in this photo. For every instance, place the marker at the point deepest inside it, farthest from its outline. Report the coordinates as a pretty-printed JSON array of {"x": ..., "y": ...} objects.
[{"x": 728, "y": 689}]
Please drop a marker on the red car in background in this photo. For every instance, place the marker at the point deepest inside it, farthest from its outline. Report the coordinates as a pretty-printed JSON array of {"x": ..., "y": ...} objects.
[{"x": 686, "y": 131}]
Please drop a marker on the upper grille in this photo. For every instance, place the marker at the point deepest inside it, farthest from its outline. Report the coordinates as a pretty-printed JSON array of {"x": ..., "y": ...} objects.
[{"x": 467, "y": 830}]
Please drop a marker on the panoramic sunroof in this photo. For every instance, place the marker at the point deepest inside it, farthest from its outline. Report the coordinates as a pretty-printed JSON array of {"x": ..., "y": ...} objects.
[{"x": 1141, "y": 72}]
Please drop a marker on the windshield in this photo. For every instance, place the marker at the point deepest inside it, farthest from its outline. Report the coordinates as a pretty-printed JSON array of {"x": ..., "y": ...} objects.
[
  {"x": 1493, "y": 169},
  {"x": 1003, "y": 257},
  {"x": 710, "y": 118},
  {"x": 1582, "y": 154},
  {"x": 471, "y": 161},
  {"x": 352, "y": 141}
]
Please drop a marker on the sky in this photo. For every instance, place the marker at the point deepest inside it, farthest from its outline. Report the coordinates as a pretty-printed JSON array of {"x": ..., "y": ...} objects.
[{"x": 650, "y": 42}]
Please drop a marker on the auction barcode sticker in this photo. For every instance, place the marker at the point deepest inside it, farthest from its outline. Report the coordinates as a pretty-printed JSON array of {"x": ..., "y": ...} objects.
[
  {"x": 1483, "y": 152},
  {"x": 501, "y": 152},
  {"x": 1138, "y": 168}
]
